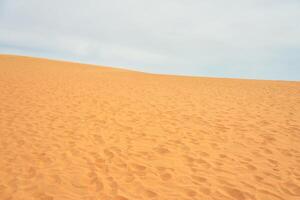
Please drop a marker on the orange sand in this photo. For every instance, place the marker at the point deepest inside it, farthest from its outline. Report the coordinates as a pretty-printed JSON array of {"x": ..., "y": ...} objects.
[{"x": 74, "y": 131}]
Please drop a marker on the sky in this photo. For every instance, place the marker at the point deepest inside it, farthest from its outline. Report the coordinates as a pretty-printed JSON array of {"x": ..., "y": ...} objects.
[{"x": 255, "y": 39}]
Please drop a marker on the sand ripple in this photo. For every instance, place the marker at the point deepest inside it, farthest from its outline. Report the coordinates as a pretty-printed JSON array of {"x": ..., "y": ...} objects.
[{"x": 71, "y": 131}]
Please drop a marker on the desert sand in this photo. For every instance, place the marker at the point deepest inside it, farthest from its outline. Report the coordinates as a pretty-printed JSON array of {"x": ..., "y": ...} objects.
[{"x": 75, "y": 131}]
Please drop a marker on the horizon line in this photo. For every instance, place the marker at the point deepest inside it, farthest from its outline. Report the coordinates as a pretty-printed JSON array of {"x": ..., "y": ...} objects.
[{"x": 137, "y": 71}]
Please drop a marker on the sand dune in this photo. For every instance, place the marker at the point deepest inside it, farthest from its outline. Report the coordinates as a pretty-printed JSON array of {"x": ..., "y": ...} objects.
[{"x": 74, "y": 131}]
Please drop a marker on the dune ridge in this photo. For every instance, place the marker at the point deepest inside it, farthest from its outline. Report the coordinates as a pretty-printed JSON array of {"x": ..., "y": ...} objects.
[{"x": 75, "y": 131}]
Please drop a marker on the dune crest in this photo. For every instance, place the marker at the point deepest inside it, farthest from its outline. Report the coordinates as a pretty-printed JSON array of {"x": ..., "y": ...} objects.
[{"x": 75, "y": 131}]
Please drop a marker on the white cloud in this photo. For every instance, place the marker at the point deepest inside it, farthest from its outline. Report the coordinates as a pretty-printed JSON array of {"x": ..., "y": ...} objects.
[{"x": 250, "y": 38}]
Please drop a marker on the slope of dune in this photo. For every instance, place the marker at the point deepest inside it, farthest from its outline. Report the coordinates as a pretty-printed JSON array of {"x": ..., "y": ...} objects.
[{"x": 74, "y": 131}]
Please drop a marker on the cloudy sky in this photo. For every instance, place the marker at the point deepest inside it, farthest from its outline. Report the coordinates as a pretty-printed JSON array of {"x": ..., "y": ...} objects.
[{"x": 257, "y": 39}]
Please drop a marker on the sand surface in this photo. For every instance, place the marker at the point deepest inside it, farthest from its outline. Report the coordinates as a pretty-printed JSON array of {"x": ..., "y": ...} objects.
[{"x": 74, "y": 131}]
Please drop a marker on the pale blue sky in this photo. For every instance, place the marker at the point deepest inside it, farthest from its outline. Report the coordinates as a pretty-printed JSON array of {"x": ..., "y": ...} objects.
[{"x": 257, "y": 39}]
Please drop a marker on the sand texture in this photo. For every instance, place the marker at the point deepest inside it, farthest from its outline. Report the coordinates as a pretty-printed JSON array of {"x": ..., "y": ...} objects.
[{"x": 74, "y": 131}]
